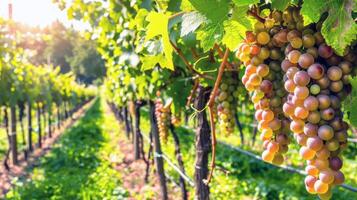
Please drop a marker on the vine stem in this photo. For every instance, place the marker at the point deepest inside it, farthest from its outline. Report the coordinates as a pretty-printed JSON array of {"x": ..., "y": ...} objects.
[
  {"x": 255, "y": 14},
  {"x": 193, "y": 91},
  {"x": 210, "y": 105},
  {"x": 187, "y": 63},
  {"x": 221, "y": 54}
]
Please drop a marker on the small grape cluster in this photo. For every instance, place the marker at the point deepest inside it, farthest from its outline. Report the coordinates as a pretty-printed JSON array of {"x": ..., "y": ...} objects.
[
  {"x": 285, "y": 55},
  {"x": 225, "y": 103},
  {"x": 163, "y": 116}
]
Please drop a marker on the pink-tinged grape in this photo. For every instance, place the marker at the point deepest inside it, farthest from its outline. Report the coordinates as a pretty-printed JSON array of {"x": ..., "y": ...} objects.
[
  {"x": 325, "y": 51},
  {"x": 288, "y": 108},
  {"x": 321, "y": 164},
  {"x": 335, "y": 163},
  {"x": 301, "y": 78},
  {"x": 250, "y": 69},
  {"x": 268, "y": 115},
  {"x": 293, "y": 34},
  {"x": 301, "y": 112},
  {"x": 335, "y": 102},
  {"x": 263, "y": 70},
  {"x": 324, "y": 82},
  {"x": 255, "y": 79},
  {"x": 297, "y": 126},
  {"x": 310, "y": 129},
  {"x": 324, "y": 101},
  {"x": 266, "y": 86},
  {"x": 315, "y": 89},
  {"x": 310, "y": 181},
  {"x": 301, "y": 139},
  {"x": 339, "y": 178},
  {"x": 313, "y": 51},
  {"x": 250, "y": 37},
  {"x": 267, "y": 156},
  {"x": 307, "y": 153},
  {"x": 286, "y": 64},
  {"x": 306, "y": 60},
  {"x": 323, "y": 153},
  {"x": 275, "y": 124},
  {"x": 254, "y": 49},
  {"x": 294, "y": 56},
  {"x": 327, "y": 114},
  {"x": 311, "y": 103},
  {"x": 312, "y": 170},
  {"x": 326, "y": 176},
  {"x": 336, "y": 86},
  {"x": 290, "y": 73},
  {"x": 301, "y": 92},
  {"x": 316, "y": 71},
  {"x": 314, "y": 143},
  {"x": 325, "y": 132},
  {"x": 289, "y": 86},
  {"x": 334, "y": 73}
]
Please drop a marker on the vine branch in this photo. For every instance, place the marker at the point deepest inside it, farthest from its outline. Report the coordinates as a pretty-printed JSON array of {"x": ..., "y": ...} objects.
[
  {"x": 210, "y": 105},
  {"x": 254, "y": 12}
]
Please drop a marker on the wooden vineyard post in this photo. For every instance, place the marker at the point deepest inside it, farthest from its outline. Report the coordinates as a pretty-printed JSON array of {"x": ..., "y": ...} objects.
[
  {"x": 179, "y": 161},
  {"x": 49, "y": 120},
  {"x": 58, "y": 116},
  {"x": 137, "y": 131},
  {"x": 39, "y": 129},
  {"x": 157, "y": 149},
  {"x": 203, "y": 145},
  {"x": 13, "y": 135},
  {"x": 126, "y": 122},
  {"x": 29, "y": 125}
]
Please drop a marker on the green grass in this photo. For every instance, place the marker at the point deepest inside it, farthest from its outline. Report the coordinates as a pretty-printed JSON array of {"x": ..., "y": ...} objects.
[
  {"x": 78, "y": 166},
  {"x": 247, "y": 177}
]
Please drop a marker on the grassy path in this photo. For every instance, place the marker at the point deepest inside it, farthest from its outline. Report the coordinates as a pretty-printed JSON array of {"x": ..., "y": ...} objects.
[{"x": 80, "y": 164}]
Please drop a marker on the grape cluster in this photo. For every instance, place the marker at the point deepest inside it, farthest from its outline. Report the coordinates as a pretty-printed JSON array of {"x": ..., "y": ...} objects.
[
  {"x": 175, "y": 120},
  {"x": 263, "y": 78},
  {"x": 225, "y": 103},
  {"x": 163, "y": 119},
  {"x": 285, "y": 55}
]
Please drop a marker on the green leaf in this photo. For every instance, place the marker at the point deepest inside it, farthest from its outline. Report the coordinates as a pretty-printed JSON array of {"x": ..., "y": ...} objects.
[
  {"x": 245, "y": 2},
  {"x": 339, "y": 29},
  {"x": 280, "y": 4},
  {"x": 149, "y": 62},
  {"x": 216, "y": 12},
  {"x": 350, "y": 104},
  {"x": 311, "y": 10},
  {"x": 158, "y": 26},
  {"x": 191, "y": 21},
  {"x": 234, "y": 34}
]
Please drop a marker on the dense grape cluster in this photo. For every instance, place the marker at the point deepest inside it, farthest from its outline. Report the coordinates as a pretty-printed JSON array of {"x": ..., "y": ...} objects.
[
  {"x": 283, "y": 54},
  {"x": 225, "y": 103},
  {"x": 163, "y": 119},
  {"x": 263, "y": 78}
]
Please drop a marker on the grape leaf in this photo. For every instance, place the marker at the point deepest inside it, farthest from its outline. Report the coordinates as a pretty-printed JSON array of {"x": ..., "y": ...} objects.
[
  {"x": 234, "y": 34},
  {"x": 280, "y": 4},
  {"x": 311, "y": 10},
  {"x": 190, "y": 22},
  {"x": 158, "y": 26},
  {"x": 339, "y": 28},
  {"x": 245, "y": 2},
  {"x": 216, "y": 12},
  {"x": 149, "y": 62},
  {"x": 350, "y": 104}
]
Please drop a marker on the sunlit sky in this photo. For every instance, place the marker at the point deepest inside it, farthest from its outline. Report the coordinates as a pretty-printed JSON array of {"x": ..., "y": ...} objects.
[{"x": 36, "y": 12}]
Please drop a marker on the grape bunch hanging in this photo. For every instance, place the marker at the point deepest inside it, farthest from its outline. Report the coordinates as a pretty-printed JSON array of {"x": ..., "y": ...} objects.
[
  {"x": 162, "y": 114},
  {"x": 225, "y": 103},
  {"x": 297, "y": 84}
]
